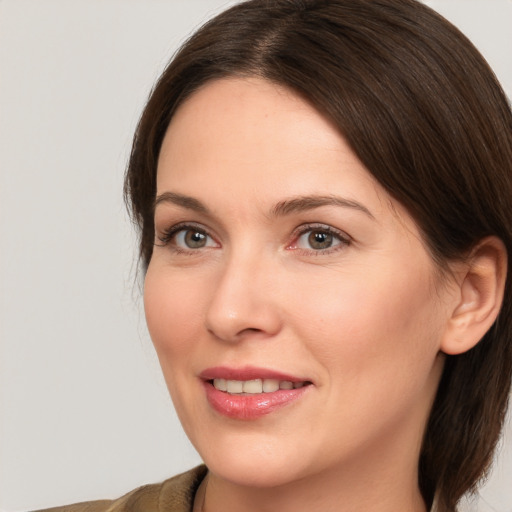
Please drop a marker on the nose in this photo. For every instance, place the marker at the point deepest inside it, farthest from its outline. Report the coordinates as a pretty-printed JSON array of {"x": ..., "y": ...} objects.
[{"x": 243, "y": 303}]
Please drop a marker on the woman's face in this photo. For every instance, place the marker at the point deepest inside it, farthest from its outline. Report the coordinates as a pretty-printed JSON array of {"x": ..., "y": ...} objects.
[{"x": 279, "y": 261}]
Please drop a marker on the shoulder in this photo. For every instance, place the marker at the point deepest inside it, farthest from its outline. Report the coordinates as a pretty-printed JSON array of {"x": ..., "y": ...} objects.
[{"x": 173, "y": 495}]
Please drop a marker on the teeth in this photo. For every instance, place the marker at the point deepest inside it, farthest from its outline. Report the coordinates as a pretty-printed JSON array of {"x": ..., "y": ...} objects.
[
  {"x": 220, "y": 384},
  {"x": 270, "y": 385},
  {"x": 235, "y": 386},
  {"x": 255, "y": 386}
]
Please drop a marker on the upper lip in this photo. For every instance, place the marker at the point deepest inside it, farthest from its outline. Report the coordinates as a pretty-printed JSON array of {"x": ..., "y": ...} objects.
[{"x": 247, "y": 373}]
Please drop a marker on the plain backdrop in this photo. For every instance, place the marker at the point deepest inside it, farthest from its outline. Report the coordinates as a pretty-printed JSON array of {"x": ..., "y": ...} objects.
[{"x": 84, "y": 412}]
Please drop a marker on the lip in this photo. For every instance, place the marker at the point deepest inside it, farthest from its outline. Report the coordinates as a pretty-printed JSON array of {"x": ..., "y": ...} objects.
[
  {"x": 246, "y": 373},
  {"x": 250, "y": 406}
]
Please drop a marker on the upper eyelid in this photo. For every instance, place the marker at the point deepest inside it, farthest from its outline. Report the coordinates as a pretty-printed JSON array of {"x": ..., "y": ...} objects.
[
  {"x": 344, "y": 239},
  {"x": 167, "y": 222},
  {"x": 165, "y": 235},
  {"x": 304, "y": 228},
  {"x": 167, "y": 213},
  {"x": 184, "y": 225}
]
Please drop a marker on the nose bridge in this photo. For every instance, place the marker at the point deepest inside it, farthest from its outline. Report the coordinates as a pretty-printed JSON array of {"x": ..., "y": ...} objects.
[{"x": 242, "y": 299}]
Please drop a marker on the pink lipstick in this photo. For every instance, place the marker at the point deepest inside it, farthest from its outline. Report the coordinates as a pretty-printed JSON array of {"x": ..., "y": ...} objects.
[{"x": 249, "y": 393}]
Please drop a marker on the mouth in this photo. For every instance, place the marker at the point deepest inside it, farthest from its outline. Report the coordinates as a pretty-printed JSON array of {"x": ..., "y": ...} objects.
[
  {"x": 249, "y": 393},
  {"x": 255, "y": 386}
]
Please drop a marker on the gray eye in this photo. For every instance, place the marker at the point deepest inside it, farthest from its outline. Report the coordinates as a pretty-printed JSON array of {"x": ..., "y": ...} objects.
[
  {"x": 320, "y": 240},
  {"x": 193, "y": 239}
]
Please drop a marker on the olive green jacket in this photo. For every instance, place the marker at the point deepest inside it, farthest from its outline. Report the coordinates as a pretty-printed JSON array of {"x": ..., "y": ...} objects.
[{"x": 173, "y": 495}]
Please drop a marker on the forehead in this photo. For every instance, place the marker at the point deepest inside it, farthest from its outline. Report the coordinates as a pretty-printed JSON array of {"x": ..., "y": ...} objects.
[
  {"x": 261, "y": 130},
  {"x": 240, "y": 113}
]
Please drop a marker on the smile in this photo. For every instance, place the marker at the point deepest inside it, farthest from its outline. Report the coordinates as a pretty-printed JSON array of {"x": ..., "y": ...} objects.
[
  {"x": 255, "y": 386},
  {"x": 250, "y": 393}
]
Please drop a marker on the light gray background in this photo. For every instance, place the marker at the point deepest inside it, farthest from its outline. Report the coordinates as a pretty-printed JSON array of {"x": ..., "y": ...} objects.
[{"x": 84, "y": 410}]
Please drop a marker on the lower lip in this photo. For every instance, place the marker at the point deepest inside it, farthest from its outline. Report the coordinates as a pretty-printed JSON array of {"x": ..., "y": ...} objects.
[{"x": 250, "y": 407}]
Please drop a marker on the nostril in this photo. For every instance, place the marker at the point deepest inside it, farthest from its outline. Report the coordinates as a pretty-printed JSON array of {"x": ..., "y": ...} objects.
[{"x": 251, "y": 329}]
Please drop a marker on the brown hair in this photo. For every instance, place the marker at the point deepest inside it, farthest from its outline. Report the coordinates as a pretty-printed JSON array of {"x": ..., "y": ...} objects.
[{"x": 423, "y": 111}]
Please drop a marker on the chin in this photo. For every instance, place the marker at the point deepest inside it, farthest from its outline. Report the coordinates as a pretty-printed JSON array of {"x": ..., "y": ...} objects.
[
  {"x": 262, "y": 472},
  {"x": 253, "y": 459}
]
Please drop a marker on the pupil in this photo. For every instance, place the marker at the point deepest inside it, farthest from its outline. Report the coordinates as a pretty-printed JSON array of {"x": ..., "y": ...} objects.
[
  {"x": 195, "y": 239},
  {"x": 320, "y": 240}
]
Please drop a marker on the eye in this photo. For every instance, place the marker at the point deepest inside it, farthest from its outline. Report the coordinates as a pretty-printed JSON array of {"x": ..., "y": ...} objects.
[
  {"x": 191, "y": 239},
  {"x": 187, "y": 237},
  {"x": 319, "y": 239}
]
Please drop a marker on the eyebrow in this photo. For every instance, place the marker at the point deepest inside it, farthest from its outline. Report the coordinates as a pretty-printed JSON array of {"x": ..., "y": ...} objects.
[
  {"x": 304, "y": 203},
  {"x": 190, "y": 203},
  {"x": 281, "y": 209}
]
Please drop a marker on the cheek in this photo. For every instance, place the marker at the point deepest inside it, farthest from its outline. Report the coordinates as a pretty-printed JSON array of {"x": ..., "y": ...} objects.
[
  {"x": 173, "y": 315},
  {"x": 374, "y": 337},
  {"x": 369, "y": 322},
  {"x": 172, "y": 308}
]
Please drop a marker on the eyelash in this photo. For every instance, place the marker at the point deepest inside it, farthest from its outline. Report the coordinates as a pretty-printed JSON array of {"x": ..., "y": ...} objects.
[
  {"x": 344, "y": 240},
  {"x": 169, "y": 234}
]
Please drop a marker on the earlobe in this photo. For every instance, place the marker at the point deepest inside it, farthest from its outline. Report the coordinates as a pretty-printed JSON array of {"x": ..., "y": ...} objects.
[{"x": 481, "y": 285}]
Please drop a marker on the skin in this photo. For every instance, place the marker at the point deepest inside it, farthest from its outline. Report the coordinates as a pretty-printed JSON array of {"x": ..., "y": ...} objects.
[{"x": 363, "y": 319}]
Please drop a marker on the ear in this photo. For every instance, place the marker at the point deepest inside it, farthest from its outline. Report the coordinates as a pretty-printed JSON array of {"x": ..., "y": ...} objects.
[{"x": 480, "y": 289}]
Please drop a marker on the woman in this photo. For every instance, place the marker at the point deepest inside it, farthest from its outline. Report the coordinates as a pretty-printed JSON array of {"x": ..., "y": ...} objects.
[{"x": 323, "y": 192}]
